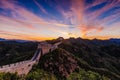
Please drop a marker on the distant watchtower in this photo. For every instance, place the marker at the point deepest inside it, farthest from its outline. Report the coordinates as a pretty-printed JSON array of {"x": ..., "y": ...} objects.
[
  {"x": 60, "y": 39},
  {"x": 45, "y": 47}
]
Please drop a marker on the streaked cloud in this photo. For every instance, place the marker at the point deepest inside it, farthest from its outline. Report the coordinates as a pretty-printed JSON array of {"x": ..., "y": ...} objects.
[{"x": 50, "y": 19}]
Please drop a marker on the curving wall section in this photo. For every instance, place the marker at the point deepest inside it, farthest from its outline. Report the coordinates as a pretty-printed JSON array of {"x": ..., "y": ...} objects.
[{"x": 23, "y": 67}]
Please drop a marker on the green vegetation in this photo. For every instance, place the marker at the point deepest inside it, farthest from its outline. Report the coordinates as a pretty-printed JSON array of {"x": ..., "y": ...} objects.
[
  {"x": 39, "y": 74},
  {"x": 86, "y": 75},
  {"x": 10, "y": 76}
]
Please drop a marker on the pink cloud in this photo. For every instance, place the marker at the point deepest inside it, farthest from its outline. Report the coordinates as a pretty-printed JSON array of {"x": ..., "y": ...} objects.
[
  {"x": 84, "y": 23},
  {"x": 25, "y": 20}
]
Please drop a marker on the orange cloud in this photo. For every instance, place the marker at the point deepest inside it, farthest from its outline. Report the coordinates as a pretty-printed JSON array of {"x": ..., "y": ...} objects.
[{"x": 85, "y": 28}]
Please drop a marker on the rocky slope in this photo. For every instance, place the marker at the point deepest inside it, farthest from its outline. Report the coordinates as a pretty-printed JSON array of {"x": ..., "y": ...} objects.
[
  {"x": 101, "y": 56},
  {"x": 59, "y": 62}
]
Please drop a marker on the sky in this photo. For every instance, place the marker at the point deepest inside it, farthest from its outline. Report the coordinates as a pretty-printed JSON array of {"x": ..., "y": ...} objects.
[{"x": 48, "y": 19}]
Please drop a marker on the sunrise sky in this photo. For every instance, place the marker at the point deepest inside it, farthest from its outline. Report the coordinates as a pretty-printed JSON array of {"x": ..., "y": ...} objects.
[{"x": 48, "y": 19}]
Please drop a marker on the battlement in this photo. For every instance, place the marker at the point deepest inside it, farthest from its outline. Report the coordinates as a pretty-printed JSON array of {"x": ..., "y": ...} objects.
[{"x": 14, "y": 64}]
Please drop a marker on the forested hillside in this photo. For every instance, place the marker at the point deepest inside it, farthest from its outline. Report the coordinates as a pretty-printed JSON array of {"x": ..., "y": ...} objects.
[
  {"x": 75, "y": 59},
  {"x": 12, "y": 51}
]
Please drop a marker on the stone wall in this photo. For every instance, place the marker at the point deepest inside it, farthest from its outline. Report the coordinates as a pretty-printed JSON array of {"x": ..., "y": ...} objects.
[
  {"x": 23, "y": 67},
  {"x": 20, "y": 68}
]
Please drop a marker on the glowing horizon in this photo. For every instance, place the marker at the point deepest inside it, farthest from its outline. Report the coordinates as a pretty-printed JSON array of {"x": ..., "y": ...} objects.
[{"x": 49, "y": 19}]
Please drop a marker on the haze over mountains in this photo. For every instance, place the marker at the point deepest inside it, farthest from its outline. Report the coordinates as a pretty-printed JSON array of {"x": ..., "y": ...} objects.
[
  {"x": 13, "y": 40},
  {"x": 115, "y": 41}
]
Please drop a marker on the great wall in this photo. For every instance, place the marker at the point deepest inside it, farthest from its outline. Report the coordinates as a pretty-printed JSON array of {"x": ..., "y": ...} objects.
[{"x": 23, "y": 67}]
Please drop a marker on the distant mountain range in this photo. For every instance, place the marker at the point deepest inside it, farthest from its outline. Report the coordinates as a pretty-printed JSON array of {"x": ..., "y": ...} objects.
[
  {"x": 2, "y": 39},
  {"x": 114, "y": 40},
  {"x": 13, "y": 40}
]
